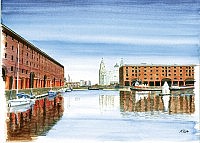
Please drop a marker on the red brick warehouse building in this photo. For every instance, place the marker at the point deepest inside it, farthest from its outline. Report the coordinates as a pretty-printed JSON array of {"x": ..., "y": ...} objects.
[
  {"x": 35, "y": 68},
  {"x": 156, "y": 75}
]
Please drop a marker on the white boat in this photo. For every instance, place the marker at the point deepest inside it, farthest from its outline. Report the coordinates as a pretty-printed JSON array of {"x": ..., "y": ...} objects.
[
  {"x": 181, "y": 87},
  {"x": 62, "y": 90},
  {"x": 22, "y": 99},
  {"x": 19, "y": 102},
  {"x": 68, "y": 90},
  {"x": 20, "y": 108}
]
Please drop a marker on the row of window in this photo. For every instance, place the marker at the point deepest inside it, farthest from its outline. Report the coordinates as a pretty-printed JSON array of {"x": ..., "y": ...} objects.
[
  {"x": 162, "y": 74},
  {"x": 7, "y": 36},
  {"x": 27, "y": 63},
  {"x": 33, "y": 57},
  {"x": 33, "y": 52},
  {"x": 165, "y": 74},
  {"x": 34, "y": 65},
  {"x": 6, "y": 45},
  {"x": 163, "y": 71},
  {"x": 163, "y": 67},
  {"x": 42, "y": 59},
  {"x": 22, "y": 71},
  {"x": 157, "y": 78}
]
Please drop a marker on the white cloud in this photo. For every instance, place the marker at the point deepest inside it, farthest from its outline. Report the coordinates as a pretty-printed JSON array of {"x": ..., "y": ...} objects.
[
  {"x": 114, "y": 39},
  {"x": 133, "y": 40}
]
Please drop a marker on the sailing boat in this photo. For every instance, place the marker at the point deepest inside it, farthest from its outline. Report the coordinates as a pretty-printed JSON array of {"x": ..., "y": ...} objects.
[
  {"x": 22, "y": 98},
  {"x": 19, "y": 101}
]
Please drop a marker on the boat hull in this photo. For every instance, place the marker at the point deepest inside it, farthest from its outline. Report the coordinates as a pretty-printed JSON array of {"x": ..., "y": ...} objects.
[
  {"x": 181, "y": 88},
  {"x": 18, "y": 102}
]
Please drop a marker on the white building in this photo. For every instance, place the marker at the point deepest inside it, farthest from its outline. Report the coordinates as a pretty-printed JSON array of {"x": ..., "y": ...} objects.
[
  {"x": 82, "y": 83},
  {"x": 85, "y": 83},
  {"x": 102, "y": 73},
  {"x": 107, "y": 77},
  {"x": 88, "y": 83},
  {"x": 114, "y": 75}
]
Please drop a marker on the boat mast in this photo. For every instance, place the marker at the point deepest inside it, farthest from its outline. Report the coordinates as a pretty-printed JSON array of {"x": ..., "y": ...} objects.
[
  {"x": 31, "y": 78},
  {"x": 17, "y": 67}
]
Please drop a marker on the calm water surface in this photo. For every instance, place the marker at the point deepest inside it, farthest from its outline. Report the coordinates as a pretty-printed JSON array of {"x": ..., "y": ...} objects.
[{"x": 109, "y": 116}]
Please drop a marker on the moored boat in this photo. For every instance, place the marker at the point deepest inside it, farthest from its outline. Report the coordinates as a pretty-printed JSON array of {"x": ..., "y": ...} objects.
[
  {"x": 93, "y": 88},
  {"x": 68, "y": 90},
  {"x": 181, "y": 87},
  {"x": 19, "y": 102},
  {"x": 149, "y": 88},
  {"x": 52, "y": 93},
  {"x": 22, "y": 99}
]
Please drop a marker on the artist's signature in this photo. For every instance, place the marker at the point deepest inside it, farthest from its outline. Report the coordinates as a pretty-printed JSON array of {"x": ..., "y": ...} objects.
[{"x": 184, "y": 131}]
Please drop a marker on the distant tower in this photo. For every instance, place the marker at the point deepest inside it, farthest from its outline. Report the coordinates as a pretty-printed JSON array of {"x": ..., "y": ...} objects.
[
  {"x": 102, "y": 73},
  {"x": 121, "y": 62},
  {"x": 69, "y": 78}
]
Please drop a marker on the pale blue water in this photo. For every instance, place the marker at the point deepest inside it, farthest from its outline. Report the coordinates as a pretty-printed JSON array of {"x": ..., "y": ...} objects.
[{"x": 99, "y": 116}]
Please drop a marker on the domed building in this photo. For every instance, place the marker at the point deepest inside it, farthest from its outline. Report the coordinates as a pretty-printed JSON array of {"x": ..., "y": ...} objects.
[{"x": 108, "y": 77}]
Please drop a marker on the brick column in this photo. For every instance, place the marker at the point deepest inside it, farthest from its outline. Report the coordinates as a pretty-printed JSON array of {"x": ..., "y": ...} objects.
[
  {"x": 27, "y": 82},
  {"x": 24, "y": 83},
  {"x": 7, "y": 82}
]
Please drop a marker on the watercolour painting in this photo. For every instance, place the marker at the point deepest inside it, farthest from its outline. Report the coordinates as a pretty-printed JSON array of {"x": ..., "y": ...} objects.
[{"x": 100, "y": 71}]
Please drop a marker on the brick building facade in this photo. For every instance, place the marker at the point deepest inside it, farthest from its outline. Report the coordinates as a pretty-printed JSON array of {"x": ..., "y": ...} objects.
[
  {"x": 156, "y": 75},
  {"x": 35, "y": 68}
]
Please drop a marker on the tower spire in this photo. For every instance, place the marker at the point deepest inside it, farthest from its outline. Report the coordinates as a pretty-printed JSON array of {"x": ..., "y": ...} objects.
[{"x": 102, "y": 73}]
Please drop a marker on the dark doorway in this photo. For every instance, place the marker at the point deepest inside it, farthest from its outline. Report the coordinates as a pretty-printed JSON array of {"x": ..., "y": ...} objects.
[
  {"x": 181, "y": 83},
  {"x": 175, "y": 83},
  {"x": 168, "y": 80},
  {"x": 3, "y": 74},
  {"x": 127, "y": 83},
  {"x": 151, "y": 83},
  {"x": 31, "y": 81},
  {"x": 157, "y": 83},
  {"x": 189, "y": 82},
  {"x": 22, "y": 81},
  {"x": 145, "y": 82},
  {"x": 45, "y": 77},
  {"x": 10, "y": 82}
]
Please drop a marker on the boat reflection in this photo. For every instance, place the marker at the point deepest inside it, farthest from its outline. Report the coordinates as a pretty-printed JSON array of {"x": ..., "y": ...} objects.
[
  {"x": 35, "y": 121},
  {"x": 145, "y": 101}
]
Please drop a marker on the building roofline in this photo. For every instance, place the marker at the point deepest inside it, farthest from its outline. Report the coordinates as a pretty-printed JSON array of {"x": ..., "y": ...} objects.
[
  {"x": 154, "y": 65},
  {"x": 25, "y": 42}
]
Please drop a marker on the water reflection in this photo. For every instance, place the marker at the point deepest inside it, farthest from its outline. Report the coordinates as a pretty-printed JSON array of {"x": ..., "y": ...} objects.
[
  {"x": 182, "y": 104},
  {"x": 35, "y": 121},
  {"x": 144, "y": 101},
  {"x": 106, "y": 102}
]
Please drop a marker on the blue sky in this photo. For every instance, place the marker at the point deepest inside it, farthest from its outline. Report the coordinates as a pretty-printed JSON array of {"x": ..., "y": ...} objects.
[{"x": 79, "y": 33}]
